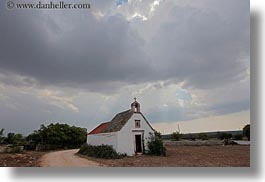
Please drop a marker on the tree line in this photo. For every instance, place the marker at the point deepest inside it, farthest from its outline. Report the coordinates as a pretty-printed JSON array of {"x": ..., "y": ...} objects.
[
  {"x": 204, "y": 136},
  {"x": 52, "y": 136}
]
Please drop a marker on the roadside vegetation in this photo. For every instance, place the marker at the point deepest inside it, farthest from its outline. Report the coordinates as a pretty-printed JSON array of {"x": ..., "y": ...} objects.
[
  {"x": 51, "y": 137},
  {"x": 57, "y": 136},
  {"x": 101, "y": 151}
]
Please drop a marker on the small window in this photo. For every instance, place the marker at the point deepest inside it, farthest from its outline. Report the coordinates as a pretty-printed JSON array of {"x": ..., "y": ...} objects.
[{"x": 137, "y": 124}]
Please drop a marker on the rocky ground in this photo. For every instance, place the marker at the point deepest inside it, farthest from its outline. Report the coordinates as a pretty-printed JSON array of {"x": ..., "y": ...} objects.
[
  {"x": 188, "y": 156},
  {"x": 177, "y": 156},
  {"x": 24, "y": 159}
]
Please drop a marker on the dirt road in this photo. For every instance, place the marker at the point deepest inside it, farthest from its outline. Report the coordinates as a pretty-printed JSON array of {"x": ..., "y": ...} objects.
[{"x": 66, "y": 158}]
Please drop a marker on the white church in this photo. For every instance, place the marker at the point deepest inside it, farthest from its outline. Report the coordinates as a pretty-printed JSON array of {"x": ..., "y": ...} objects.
[{"x": 128, "y": 132}]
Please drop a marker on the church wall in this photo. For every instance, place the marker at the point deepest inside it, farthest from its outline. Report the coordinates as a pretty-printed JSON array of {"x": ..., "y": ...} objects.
[{"x": 103, "y": 139}]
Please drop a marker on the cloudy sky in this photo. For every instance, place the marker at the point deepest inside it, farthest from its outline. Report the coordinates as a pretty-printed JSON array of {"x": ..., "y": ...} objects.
[{"x": 186, "y": 61}]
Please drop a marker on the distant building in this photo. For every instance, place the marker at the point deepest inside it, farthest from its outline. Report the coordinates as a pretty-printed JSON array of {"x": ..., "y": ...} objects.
[{"x": 128, "y": 132}]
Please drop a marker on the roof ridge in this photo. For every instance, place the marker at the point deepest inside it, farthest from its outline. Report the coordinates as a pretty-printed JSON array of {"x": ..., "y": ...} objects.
[{"x": 118, "y": 121}]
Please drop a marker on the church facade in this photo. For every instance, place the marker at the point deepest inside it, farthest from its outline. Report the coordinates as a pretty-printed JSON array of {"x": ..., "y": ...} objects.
[{"x": 128, "y": 132}]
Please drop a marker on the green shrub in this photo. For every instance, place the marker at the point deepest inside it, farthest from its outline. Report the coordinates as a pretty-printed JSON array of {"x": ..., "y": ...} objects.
[
  {"x": 246, "y": 131},
  {"x": 14, "y": 149},
  {"x": 63, "y": 136},
  {"x": 203, "y": 136},
  {"x": 238, "y": 137},
  {"x": 158, "y": 134},
  {"x": 155, "y": 146},
  {"x": 101, "y": 151},
  {"x": 229, "y": 142},
  {"x": 224, "y": 135},
  {"x": 176, "y": 136},
  {"x": 17, "y": 149}
]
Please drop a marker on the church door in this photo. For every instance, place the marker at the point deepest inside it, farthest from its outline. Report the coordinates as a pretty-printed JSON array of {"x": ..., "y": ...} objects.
[{"x": 138, "y": 143}]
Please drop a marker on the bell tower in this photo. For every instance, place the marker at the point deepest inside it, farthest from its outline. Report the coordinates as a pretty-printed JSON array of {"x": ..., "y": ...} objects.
[{"x": 135, "y": 106}]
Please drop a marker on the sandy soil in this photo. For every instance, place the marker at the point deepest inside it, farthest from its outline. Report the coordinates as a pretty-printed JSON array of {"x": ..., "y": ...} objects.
[{"x": 66, "y": 158}]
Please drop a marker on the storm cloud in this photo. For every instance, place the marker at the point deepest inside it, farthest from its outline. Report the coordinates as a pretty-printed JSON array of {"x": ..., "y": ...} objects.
[
  {"x": 81, "y": 49},
  {"x": 114, "y": 51}
]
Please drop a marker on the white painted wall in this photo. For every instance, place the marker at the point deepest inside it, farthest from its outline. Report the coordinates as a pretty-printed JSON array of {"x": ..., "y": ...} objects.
[
  {"x": 103, "y": 139},
  {"x": 126, "y": 143}
]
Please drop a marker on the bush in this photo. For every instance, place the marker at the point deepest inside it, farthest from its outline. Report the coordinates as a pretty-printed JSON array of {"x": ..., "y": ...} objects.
[
  {"x": 238, "y": 137},
  {"x": 203, "y": 136},
  {"x": 224, "y": 135},
  {"x": 2, "y": 138},
  {"x": 155, "y": 146},
  {"x": 229, "y": 142},
  {"x": 101, "y": 151},
  {"x": 17, "y": 149},
  {"x": 14, "y": 149},
  {"x": 246, "y": 131},
  {"x": 176, "y": 136},
  {"x": 158, "y": 134},
  {"x": 61, "y": 135}
]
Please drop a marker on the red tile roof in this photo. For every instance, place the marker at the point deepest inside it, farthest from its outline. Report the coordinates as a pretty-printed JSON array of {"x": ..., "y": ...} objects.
[{"x": 99, "y": 128}]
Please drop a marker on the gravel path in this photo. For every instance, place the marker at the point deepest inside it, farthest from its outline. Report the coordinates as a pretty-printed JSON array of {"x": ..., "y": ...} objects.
[{"x": 66, "y": 158}]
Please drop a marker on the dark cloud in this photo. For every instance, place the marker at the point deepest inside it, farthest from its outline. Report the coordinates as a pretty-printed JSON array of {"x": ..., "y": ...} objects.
[
  {"x": 199, "y": 47},
  {"x": 202, "y": 47},
  {"x": 92, "y": 52}
]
